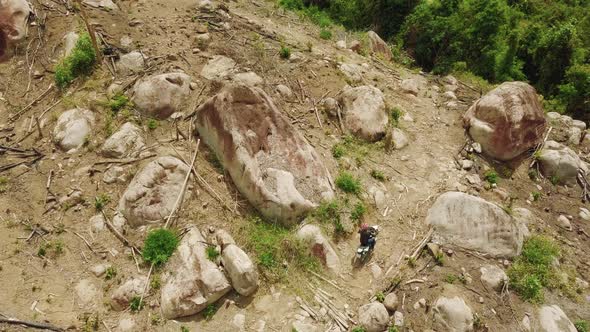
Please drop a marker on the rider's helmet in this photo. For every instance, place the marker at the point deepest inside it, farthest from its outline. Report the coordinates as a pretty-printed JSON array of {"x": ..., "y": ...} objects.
[{"x": 364, "y": 227}]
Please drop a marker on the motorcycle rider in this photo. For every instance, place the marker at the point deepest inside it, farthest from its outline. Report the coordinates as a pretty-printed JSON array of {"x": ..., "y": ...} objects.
[{"x": 368, "y": 236}]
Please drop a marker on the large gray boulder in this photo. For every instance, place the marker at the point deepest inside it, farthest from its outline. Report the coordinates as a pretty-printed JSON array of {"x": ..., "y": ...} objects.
[
  {"x": 242, "y": 272},
  {"x": 14, "y": 15},
  {"x": 553, "y": 319},
  {"x": 473, "y": 223},
  {"x": 561, "y": 163},
  {"x": 73, "y": 129},
  {"x": 452, "y": 315},
  {"x": 191, "y": 281},
  {"x": 151, "y": 195},
  {"x": 378, "y": 46},
  {"x": 364, "y": 112},
  {"x": 159, "y": 96},
  {"x": 126, "y": 142},
  {"x": 373, "y": 317},
  {"x": 507, "y": 121},
  {"x": 320, "y": 246},
  {"x": 269, "y": 161}
]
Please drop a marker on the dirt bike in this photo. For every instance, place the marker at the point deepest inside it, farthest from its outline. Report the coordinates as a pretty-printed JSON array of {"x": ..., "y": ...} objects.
[{"x": 363, "y": 252}]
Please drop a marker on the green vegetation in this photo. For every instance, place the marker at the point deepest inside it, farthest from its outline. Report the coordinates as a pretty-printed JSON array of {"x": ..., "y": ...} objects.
[
  {"x": 159, "y": 246},
  {"x": 136, "y": 304},
  {"x": 52, "y": 249},
  {"x": 380, "y": 297},
  {"x": 79, "y": 63},
  {"x": 533, "y": 174},
  {"x": 358, "y": 212},
  {"x": 277, "y": 251},
  {"x": 212, "y": 253},
  {"x": 439, "y": 258},
  {"x": 450, "y": 278},
  {"x": 536, "y": 196},
  {"x": 392, "y": 329},
  {"x": 101, "y": 201},
  {"x": 554, "y": 179},
  {"x": 209, "y": 311},
  {"x": 3, "y": 184},
  {"x": 359, "y": 329},
  {"x": 377, "y": 175},
  {"x": 119, "y": 102},
  {"x": 348, "y": 183},
  {"x": 394, "y": 115},
  {"x": 184, "y": 329},
  {"x": 491, "y": 177},
  {"x": 582, "y": 326},
  {"x": 152, "y": 124},
  {"x": 326, "y": 34},
  {"x": 285, "y": 52},
  {"x": 533, "y": 269},
  {"x": 544, "y": 42},
  {"x": 111, "y": 273},
  {"x": 353, "y": 147},
  {"x": 156, "y": 282},
  {"x": 338, "y": 151}
]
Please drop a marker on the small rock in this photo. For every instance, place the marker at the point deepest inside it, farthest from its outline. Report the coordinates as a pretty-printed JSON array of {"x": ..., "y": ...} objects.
[
  {"x": 581, "y": 284},
  {"x": 123, "y": 295},
  {"x": 398, "y": 319},
  {"x": 493, "y": 276},
  {"x": 114, "y": 174},
  {"x": 99, "y": 269},
  {"x": 526, "y": 323},
  {"x": 480, "y": 299},
  {"x": 97, "y": 223},
  {"x": 584, "y": 214},
  {"x": 376, "y": 271},
  {"x": 130, "y": 63},
  {"x": 303, "y": 327},
  {"x": 284, "y": 91},
  {"x": 341, "y": 44},
  {"x": 564, "y": 222},
  {"x": 239, "y": 321},
  {"x": 330, "y": 106},
  {"x": 86, "y": 291},
  {"x": 466, "y": 164},
  {"x": 476, "y": 147},
  {"x": 249, "y": 79},
  {"x": 391, "y": 302},
  {"x": 373, "y": 317},
  {"x": 127, "y": 324}
]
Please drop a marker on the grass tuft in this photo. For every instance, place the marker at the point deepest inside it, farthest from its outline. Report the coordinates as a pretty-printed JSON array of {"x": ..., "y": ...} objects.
[
  {"x": 285, "y": 52},
  {"x": 79, "y": 63},
  {"x": 136, "y": 304},
  {"x": 101, "y": 201},
  {"x": 159, "y": 246},
  {"x": 491, "y": 177},
  {"x": 212, "y": 253},
  {"x": 209, "y": 311},
  {"x": 394, "y": 115},
  {"x": 348, "y": 183},
  {"x": 378, "y": 175},
  {"x": 582, "y": 326},
  {"x": 325, "y": 34}
]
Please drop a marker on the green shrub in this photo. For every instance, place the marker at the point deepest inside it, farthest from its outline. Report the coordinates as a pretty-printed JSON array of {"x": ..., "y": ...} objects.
[
  {"x": 328, "y": 211},
  {"x": 80, "y": 62},
  {"x": 209, "y": 311},
  {"x": 536, "y": 196},
  {"x": 377, "y": 175},
  {"x": 338, "y": 151},
  {"x": 156, "y": 282},
  {"x": 582, "y": 326},
  {"x": 358, "y": 212},
  {"x": 491, "y": 177},
  {"x": 111, "y": 273},
  {"x": 359, "y": 329},
  {"x": 119, "y": 102},
  {"x": 101, "y": 201},
  {"x": 212, "y": 253},
  {"x": 285, "y": 52},
  {"x": 392, "y": 329},
  {"x": 184, "y": 329},
  {"x": 136, "y": 304},
  {"x": 380, "y": 297},
  {"x": 326, "y": 34},
  {"x": 348, "y": 183},
  {"x": 153, "y": 124},
  {"x": 532, "y": 270},
  {"x": 159, "y": 246},
  {"x": 450, "y": 278},
  {"x": 394, "y": 115}
]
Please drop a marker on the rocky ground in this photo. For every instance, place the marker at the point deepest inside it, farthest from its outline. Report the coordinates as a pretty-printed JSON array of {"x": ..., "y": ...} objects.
[{"x": 274, "y": 133}]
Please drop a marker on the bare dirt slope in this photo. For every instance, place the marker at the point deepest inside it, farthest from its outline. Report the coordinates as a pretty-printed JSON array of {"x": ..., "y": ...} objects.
[{"x": 45, "y": 288}]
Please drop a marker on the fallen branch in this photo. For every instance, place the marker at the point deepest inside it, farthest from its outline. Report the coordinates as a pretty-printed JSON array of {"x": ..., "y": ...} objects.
[
  {"x": 422, "y": 244},
  {"x": 30, "y": 324},
  {"x": 123, "y": 161},
  {"x": 31, "y": 104},
  {"x": 326, "y": 280},
  {"x": 117, "y": 234},
  {"x": 540, "y": 147}
]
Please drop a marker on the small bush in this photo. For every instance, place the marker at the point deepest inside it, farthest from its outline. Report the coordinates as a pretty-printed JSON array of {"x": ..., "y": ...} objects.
[
  {"x": 3, "y": 184},
  {"x": 152, "y": 124},
  {"x": 358, "y": 212},
  {"x": 285, "y": 52},
  {"x": 582, "y": 326},
  {"x": 359, "y": 329},
  {"x": 53, "y": 248},
  {"x": 326, "y": 34},
  {"x": 101, "y": 201},
  {"x": 377, "y": 175},
  {"x": 536, "y": 196},
  {"x": 532, "y": 270},
  {"x": 159, "y": 246},
  {"x": 348, "y": 183},
  {"x": 394, "y": 115},
  {"x": 184, "y": 329},
  {"x": 118, "y": 103},
  {"x": 554, "y": 179},
  {"x": 380, "y": 297},
  {"x": 80, "y": 62},
  {"x": 338, "y": 151},
  {"x": 212, "y": 253},
  {"x": 209, "y": 311},
  {"x": 439, "y": 258},
  {"x": 491, "y": 177},
  {"x": 136, "y": 304},
  {"x": 533, "y": 174},
  {"x": 328, "y": 211},
  {"x": 392, "y": 329},
  {"x": 110, "y": 273},
  {"x": 156, "y": 282},
  {"x": 450, "y": 278}
]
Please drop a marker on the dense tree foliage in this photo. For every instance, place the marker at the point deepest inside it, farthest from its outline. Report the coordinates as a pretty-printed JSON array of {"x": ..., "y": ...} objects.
[{"x": 544, "y": 42}]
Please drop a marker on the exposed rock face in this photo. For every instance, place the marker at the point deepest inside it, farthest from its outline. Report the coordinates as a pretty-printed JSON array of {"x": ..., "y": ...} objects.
[
  {"x": 476, "y": 224},
  {"x": 373, "y": 317},
  {"x": 241, "y": 270},
  {"x": 493, "y": 276},
  {"x": 553, "y": 319},
  {"x": 126, "y": 142},
  {"x": 151, "y": 195},
  {"x": 125, "y": 293},
  {"x": 453, "y": 314},
  {"x": 130, "y": 63},
  {"x": 268, "y": 159},
  {"x": 561, "y": 163},
  {"x": 161, "y": 95},
  {"x": 378, "y": 46},
  {"x": 218, "y": 68},
  {"x": 72, "y": 128},
  {"x": 364, "y": 112},
  {"x": 320, "y": 246},
  {"x": 192, "y": 281},
  {"x": 14, "y": 15},
  {"x": 507, "y": 121}
]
